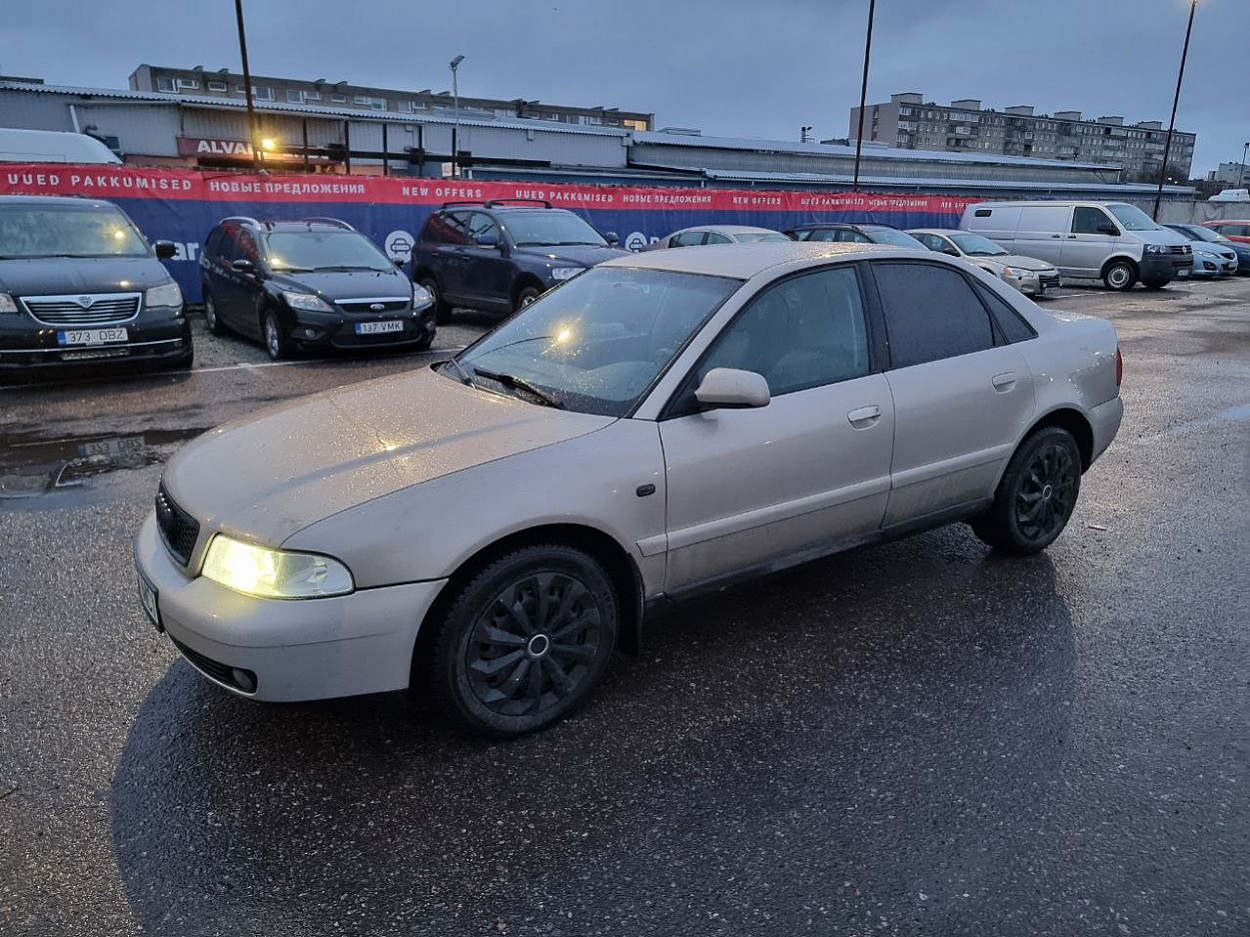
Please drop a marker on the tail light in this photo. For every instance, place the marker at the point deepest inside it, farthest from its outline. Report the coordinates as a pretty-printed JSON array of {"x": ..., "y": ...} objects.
[{"x": 1119, "y": 367}]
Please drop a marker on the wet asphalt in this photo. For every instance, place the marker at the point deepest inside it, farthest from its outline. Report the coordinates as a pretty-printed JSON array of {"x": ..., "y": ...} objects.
[{"x": 919, "y": 738}]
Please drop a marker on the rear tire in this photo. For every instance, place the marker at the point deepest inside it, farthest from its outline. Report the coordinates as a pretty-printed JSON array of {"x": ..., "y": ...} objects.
[
  {"x": 211, "y": 319},
  {"x": 1120, "y": 275},
  {"x": 1036, "y": 496},
  {"x": 523, "y": 643},
  {"x": 442, "y": 311}
]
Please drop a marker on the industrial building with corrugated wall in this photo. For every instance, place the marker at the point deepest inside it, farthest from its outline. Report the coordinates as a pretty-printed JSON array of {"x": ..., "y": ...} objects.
[{"x": 160, "y": 129}]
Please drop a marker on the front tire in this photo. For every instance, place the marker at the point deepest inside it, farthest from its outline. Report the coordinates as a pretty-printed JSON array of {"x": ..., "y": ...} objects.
[
  {"x": 1155, "y": 284},
  {"x": 1036, "y": 496},
  {"x": 524, "y": 642},
  {"x": 442, "y": 310},
  {"x": 1120, "y": 275},
  {"x": 275, "y": 342},
  {"x": 526, "y": 296}
]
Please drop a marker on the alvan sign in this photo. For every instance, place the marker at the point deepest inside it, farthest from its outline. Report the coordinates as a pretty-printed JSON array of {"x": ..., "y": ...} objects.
[{"x": 206, "y": 146}]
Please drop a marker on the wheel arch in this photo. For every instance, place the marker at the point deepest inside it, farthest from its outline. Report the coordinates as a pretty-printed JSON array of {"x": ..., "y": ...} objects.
[
  {"x": 523, "y": 281},
  {"x": 1076, "y": 423},
  {"x": 1136, "y": 265},
  {"x": 620, "y": 566}
]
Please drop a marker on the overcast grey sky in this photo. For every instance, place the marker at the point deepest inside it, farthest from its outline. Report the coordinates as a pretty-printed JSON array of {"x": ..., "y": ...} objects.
[{"x": 732, "y": 68}]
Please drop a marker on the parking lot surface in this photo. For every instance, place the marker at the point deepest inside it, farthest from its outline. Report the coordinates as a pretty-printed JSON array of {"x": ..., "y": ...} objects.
[{"x": 915, "y": 738}]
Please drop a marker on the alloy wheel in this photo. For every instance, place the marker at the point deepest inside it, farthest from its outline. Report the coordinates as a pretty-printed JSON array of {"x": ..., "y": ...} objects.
[
  {"x": 1047, "y": 492},
  {"x": 534, "y": 644}
]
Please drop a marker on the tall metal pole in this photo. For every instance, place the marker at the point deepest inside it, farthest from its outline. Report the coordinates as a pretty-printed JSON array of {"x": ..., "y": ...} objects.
[
  {"x": 455, "y": 105},
  {"x": 1167, "y": 145},
  {"x": 863, "y": 94},
  {"x": 1242, "y": 168},
  {"x": 247, "y": 87}
]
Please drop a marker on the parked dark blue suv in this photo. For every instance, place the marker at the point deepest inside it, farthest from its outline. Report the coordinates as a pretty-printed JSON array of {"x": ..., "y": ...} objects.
[{"x": 501, "y": 255}]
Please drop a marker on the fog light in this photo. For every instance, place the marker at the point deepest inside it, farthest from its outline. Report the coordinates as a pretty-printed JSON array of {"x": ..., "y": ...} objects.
[{"x": 245, "y": 680}]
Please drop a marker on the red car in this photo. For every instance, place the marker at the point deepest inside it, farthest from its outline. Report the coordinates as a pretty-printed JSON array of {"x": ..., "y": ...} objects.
[{"x": 1233, "y": 230}]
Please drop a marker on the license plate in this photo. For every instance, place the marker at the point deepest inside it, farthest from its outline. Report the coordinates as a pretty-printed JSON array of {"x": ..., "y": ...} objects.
[
  {"x": 91, "y": 336},
  {"x": 373, "y": 328},
  {"x": 1182, "y": 274},
  {"x": 147, "y": 598},
  {"x": 111, "y": 446}
]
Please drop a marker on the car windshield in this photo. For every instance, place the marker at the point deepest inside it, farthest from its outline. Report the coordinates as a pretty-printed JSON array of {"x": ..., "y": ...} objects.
[
  {"x": 1198, "y": 233},
  {"x": 319, "y": 249},
  {"x": 892, "y": 236},
  {"x": 547, "y": 228},
  {"x": 749, "y": 237},
  {"x": 1133, "y": 219},
  {"x": 976, "y": 245},
  {"x": 68, "y": 231},
  {"x": 596, "y": 343}
]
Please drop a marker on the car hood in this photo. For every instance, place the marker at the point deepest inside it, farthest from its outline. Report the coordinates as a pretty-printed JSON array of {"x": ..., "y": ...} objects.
[
  {"x": 267, "y": 476},
  {"x": 1016, "y": 260},
  {"x": 348, "y": 284},
  {"x": 1215, "y": 250},
  {"x": 585, "y": 255},
  {"x": 59, "y": 275},
  {"x": 1161, "y": 236}
]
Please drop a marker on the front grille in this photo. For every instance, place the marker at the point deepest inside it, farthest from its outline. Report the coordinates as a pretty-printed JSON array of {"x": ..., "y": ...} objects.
[
  {"x": 366, "y": 305},
  {"x": 84, "y": 309},
  {"x": 215, "y": 669},
  {"x": 1182, "y": 249},
  {"x": 178, "y": 529}
]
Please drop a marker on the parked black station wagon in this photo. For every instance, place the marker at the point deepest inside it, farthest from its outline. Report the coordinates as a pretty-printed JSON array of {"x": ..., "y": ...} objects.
[
  {"x": 503, "y": 254},
  {"x": 312, "y": 284},
  {"x": 79, "y": 284}
]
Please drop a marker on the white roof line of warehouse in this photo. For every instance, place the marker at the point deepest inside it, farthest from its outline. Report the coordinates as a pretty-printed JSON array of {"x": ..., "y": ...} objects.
[
  {"x": 308, "y": 110},
  {"x": 748, "y": 176},
  {"x": 869, "y": 152}
]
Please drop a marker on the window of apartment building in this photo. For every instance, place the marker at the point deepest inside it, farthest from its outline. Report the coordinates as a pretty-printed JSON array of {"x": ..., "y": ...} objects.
[
  {"x": 188, "y": 84},
  {"x": 166, "y": 84},
  {"x": 295, "y": 96},
  {"x": 218, "y": 86},
  {"x": 407, "y": 107},
  {"x": 260, "y": 94},
  {"x": 338, "y": 99},
  {"x": 374, "y": 104},
  {"x": 312, "y": 95}
]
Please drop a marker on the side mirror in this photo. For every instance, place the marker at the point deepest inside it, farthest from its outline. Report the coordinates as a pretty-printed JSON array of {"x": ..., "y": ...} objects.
[
  {"x": 243, "y": 265},
  {"x": 490, "y": 241},
  {"x": 165, "y": 250},
  {"x": 399, "y": 262},
  {"x": 732, "y": 388},
  {"x": 611, "y": 238}
]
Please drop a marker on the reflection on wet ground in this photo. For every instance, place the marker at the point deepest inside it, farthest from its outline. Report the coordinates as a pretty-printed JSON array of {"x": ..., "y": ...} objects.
[{"x": 32, "y": 465}]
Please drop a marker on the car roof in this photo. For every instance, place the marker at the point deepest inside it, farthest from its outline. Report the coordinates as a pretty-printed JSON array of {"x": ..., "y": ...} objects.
[
  {"x": 1211, "y": 224},
  {"x": 67, "y": 200},
  {"x": 729, "y": 229},
  {"x": 935, "y": 231},
  {"x": 743, "y": 261}
]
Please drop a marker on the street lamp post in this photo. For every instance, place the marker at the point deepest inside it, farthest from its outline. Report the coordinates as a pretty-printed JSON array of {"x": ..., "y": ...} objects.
[
  {"x": 1167, "y": 145},
  {"x": 1242, "y": 168},
  {"x": 455, "y": 106},
  {"x": 247, "y": 87},
  {"x": 863, "y": 95}
]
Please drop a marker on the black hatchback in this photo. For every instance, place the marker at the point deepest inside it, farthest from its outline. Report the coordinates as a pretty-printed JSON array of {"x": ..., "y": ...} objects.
[
  {"x": 312, "y": 284},
  {"x": 80, "y": 285}
]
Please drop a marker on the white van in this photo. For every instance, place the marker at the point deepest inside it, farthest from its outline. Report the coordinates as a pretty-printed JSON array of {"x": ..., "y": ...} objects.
[
  {"x": 1111, "y": 241},
  {"x": 52, "y": 146}
]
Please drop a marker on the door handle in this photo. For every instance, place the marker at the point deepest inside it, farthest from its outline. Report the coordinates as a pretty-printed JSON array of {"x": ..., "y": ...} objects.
[
  {"x": 1071, "y": 237},
  {"x": 1005, "y": 381},
  {"x": 864, "y": 417},
  {"x": 1055, "y": 236}
]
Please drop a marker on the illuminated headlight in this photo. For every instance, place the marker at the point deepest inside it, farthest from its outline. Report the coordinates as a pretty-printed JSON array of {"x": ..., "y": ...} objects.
[
  {"x": 565, "y": 273},
  {"x": 7, "y": 304},
  {"x": 274, "y": 574},
  {"x": 306, "y": 301},
  {"x": 421, "y": 298},
  {"x": 167, "y": 294},
  {"x": 1158, "y": 249}
]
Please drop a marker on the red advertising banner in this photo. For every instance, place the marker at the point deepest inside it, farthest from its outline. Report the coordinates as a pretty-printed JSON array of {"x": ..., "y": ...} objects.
[{"x": 137, "y": 182}]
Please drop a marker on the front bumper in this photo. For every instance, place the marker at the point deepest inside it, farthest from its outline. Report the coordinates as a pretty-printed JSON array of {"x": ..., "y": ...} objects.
[
  {"x": 1026, "y": 281},
  {"x": 325, "y": 331},
  {"x": 296, "y": 649},
  {"x": 1163, "y": 268},
  {"x": 156, "y": 336}
]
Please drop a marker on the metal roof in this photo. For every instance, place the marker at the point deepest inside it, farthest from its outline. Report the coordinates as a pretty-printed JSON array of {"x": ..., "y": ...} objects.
[
  {"x": 309, "y": 110},
  {"x": 1127, "y": 188},
  {"x": 869, "y": 152}
]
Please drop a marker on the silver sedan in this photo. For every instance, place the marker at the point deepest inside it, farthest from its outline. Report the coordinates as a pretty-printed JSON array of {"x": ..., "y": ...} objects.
[
  {"x": 1027, "y": 274},
  {"x": 494, "y": 526},
  {"x": 716, "y": 234}
]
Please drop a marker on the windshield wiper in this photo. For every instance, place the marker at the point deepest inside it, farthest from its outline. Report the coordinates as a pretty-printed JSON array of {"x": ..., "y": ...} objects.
[
  {"x": 465, "y": 377},
  {"x": 293, "y": 269},
  {"x": 519, "y": 383},
  {"x": 343, "y": 268}
]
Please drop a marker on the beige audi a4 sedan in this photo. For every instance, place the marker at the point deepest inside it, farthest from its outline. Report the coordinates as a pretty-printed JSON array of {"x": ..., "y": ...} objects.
[{"x": 491, "y": 528}]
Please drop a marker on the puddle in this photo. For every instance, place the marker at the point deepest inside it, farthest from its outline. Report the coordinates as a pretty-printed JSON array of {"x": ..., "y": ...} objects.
[{"x": 33, "y": 465}]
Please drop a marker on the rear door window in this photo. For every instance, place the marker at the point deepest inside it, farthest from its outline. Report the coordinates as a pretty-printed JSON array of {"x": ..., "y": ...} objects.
[{"x": 931, "y": 313}]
